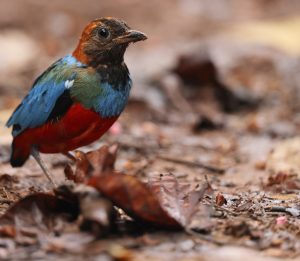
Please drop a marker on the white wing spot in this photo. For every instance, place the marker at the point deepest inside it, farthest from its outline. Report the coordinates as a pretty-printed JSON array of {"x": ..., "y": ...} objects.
[{"x": 69, "y": 84}]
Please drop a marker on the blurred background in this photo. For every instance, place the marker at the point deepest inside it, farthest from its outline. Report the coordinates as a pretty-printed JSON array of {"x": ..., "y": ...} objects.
[
  {"x": 34, "y": 33},
  {"x": 236, "y": 37},
  {"x": 202, "y": 58}
]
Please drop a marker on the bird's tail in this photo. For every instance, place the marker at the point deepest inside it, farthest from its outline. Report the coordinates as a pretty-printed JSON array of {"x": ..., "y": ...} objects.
[{"x": 19, "y": 154}]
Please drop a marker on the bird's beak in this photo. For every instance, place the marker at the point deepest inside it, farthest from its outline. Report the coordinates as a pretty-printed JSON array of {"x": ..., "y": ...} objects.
[{"x": 131, "y": 36}]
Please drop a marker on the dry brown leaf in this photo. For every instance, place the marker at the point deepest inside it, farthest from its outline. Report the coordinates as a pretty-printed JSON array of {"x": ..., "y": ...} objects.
[
  {"x": 126, "y": 192},
  {"x": 87, "y": 164},
  {"x": 134, "y": 197},
  {"x": 283, "y": 182},
  {"x": 40, "y": 214},
  {"x": 36, "y": 216},
  {"x": 220, "y": 200},
  {"x": 165, "y": 203},
  {"x": 179, "y": 200},
  {"x": 47, "y": 204}
]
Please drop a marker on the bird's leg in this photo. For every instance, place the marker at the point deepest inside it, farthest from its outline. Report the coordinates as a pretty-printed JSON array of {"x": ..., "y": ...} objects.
[
  {"x": 70, "y": 156},
  {"x": 35, "y": 153}
]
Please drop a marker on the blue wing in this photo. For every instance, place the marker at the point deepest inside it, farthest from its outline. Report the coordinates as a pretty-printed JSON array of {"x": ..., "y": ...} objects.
[{"x": 37, "y": 106}]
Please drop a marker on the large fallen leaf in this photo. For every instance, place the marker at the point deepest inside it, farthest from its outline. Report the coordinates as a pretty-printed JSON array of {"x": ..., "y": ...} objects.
[
  {"x": 96, "y": 169},
  {"x": 134, "y": 197},
  {"x": 162, "y": 202}
]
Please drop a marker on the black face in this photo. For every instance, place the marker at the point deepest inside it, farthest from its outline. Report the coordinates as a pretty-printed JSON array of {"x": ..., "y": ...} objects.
[
  {"x": 106, "y": 39},
  {"x": 107, "y": 30}
]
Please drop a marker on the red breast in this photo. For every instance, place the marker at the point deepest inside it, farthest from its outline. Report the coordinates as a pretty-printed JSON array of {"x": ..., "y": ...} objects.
[{"x": 79, "y": 127}]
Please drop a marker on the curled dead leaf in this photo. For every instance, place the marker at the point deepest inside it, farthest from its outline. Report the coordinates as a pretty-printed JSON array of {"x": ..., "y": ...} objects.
[
  {"x": 134, "y": 197},
  {"x": 87, "y": 164},
  {"x": 220, "y": 200},
  {"x": 96, "y": 169},
  {"x": 164, "y": 202}
]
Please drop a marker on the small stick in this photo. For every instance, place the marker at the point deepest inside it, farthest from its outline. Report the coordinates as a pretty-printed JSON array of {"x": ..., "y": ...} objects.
[
  {"x": 193, "y": 164},
  {"x": 276, "y": 209}
]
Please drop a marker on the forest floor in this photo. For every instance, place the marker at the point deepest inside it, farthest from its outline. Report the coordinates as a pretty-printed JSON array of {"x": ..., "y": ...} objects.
[{"x": 208, "y": 146}]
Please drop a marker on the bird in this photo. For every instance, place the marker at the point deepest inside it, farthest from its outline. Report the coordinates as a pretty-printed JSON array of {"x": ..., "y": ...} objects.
[{"x": 78, "y": 98}]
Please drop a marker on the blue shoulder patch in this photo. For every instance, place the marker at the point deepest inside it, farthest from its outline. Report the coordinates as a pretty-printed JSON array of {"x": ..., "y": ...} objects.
[
  {"x": 36, "y": 107},
  {"x": 112, "y": 101}
]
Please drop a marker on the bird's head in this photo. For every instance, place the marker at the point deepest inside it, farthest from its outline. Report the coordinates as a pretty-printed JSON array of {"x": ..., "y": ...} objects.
[{"x": 105, "y": 40}]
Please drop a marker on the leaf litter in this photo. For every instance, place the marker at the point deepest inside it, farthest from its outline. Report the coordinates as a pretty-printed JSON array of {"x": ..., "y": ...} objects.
[
  {"x": 86, "y": 204},
  {"x": 99, "y": 202}
]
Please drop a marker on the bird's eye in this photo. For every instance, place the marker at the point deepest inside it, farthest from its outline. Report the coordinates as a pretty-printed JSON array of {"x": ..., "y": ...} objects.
[{"x": 103, "y": 32}]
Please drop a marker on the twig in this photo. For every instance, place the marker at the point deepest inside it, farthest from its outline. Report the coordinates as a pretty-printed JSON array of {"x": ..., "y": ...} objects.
[
  {"x": 193, "y": 164},
  {"x": 276, "y": 209}
]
